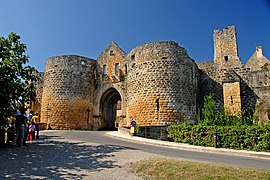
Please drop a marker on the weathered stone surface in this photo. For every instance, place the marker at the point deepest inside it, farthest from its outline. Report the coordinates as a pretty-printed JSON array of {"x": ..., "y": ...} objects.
[
  {"x": 154, "y": 84},
  {"x": 161, "y": 84},
  {"x": 225, "y": 48},
  {"x": 68, "y": 92},
  {"x": 36, "y": 105},
  {"x": 232, "y": 98},
  {"x": 253, "y": 77},
  {"x": 110, "y": 87},
  {"x": 257, "y": 61}
]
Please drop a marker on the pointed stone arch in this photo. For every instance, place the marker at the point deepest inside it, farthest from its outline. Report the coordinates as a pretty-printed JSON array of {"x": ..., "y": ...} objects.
[{"x": 108, "y": 109}]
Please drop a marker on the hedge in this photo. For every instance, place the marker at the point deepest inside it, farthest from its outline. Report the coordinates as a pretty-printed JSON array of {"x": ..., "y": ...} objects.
[{"x": 256, "y": 138}]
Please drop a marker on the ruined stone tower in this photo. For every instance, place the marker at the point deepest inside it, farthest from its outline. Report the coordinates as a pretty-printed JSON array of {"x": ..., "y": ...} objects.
[{"x": 225, "y": 48}]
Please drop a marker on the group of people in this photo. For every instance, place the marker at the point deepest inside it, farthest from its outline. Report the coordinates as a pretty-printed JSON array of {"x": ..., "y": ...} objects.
[{"x": 26, "y": 127}]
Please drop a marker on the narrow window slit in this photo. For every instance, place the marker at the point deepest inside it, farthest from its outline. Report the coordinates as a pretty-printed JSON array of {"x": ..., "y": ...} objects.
[{"x": 157, "y": 101}]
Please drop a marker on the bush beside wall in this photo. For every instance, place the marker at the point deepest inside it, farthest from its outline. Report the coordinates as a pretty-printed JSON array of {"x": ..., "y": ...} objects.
[{"x": 256, "y": 138}]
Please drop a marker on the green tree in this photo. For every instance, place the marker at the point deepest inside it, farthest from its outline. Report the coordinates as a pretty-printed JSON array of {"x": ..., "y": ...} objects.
[
  {"x": 214, "y": 117},
  {"x": 209, "y": 111},
  {"x": 16, "y": 78}
]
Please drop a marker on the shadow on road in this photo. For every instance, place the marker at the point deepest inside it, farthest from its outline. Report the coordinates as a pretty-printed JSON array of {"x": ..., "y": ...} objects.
[{"x": 53, "y": 158}]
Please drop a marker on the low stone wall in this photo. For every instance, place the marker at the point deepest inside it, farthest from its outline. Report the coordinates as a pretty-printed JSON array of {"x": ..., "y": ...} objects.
[
  {"x": 153, "y": 132},
  {"x": 124, "y": 131}
]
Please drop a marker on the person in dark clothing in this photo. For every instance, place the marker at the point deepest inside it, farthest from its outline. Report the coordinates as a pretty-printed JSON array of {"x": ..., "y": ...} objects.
[{"x": 20, "y": 125}]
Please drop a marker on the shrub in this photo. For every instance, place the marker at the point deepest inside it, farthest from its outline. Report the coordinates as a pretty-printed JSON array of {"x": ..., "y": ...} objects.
[
  {"x": 255, "y": 138},
  {"x": 214, "y": 117}
]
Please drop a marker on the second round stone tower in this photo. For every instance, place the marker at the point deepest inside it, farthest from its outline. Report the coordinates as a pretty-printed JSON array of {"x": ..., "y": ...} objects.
[
  {"x": 161, "y": 84},
  {"x": 68, "y": 89}
]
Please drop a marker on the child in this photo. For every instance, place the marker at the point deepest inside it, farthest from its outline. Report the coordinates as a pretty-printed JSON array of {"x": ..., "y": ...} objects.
[{"x": 32, "y": 129}]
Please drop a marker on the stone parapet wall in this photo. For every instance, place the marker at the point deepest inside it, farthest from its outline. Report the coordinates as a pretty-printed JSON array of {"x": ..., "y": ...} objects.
[
  {"x": 205, "y": 65},
  {"x": 158, "y": 50}
]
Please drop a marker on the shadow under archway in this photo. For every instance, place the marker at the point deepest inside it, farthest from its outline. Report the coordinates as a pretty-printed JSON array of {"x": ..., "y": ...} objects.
[{"x": 109, "y": 104}]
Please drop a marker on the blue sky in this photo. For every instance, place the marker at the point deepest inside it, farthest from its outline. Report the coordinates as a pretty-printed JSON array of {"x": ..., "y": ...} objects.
[{"x": 87, "y": 27}]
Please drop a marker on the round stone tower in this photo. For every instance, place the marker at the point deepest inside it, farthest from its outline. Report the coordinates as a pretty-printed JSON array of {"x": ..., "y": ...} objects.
[
  {"x": 161, "y": 84},
  {"x": 67, "y": 99}
]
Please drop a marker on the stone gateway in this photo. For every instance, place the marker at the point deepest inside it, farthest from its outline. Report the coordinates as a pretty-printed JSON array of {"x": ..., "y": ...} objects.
[{"x": 156, "y": 83}]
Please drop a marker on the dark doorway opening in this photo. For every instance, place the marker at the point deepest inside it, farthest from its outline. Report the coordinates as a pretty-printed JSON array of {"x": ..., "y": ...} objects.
[{"x": 109, "y": 109}]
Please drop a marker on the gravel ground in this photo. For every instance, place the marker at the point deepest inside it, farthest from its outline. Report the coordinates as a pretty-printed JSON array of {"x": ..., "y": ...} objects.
[{"x": 53, "y": 157}]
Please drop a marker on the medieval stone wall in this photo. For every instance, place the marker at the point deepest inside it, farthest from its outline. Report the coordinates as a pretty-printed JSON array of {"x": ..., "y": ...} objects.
[
  {"x": 205, "y": 65},
  {"x": 112, "y": 63},
  {"x": 112, "y": 74},
  {"x": 38, "y": 89},
  {"x": 161, "y": 84},
  {"x": 67, "y": 99},
  {"x": 254, "y": 86},
  {"x": 157, "y": 83},
  {"x": 232, "y": 98},
  {"x": 255, "y": 89},
  {"x": 208, "y": 85},
  {"x": 212, "y": 80}
]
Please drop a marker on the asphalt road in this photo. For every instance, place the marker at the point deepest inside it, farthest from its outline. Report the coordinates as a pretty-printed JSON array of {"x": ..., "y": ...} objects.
[
  {"x": 101, "y": 137},
  {"x": 97, "y": 155}
]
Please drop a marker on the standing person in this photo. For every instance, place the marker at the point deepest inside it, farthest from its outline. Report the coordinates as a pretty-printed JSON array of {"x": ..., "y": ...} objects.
[
  {"x": 20, "y": 125},
  {"x": 28, "y": 120},
  {"x": 31, "y": 133},
  {"x": 36, "y": 120}
]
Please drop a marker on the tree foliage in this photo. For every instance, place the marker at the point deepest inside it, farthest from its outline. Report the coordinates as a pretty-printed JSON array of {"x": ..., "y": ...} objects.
[
  {"x": 16, "y": 78},
  {"x": 210, "y": 113},
  {"x": 214, "y": 117}
]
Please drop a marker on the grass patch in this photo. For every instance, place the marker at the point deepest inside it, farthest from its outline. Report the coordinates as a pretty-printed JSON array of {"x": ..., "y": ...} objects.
[{"x": 177, "y": 169}]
